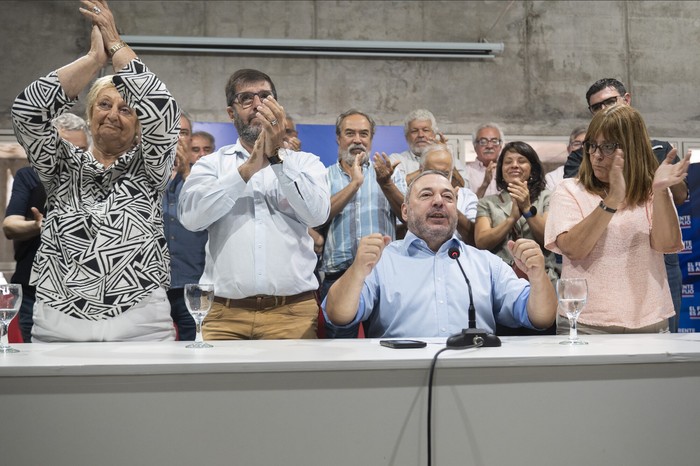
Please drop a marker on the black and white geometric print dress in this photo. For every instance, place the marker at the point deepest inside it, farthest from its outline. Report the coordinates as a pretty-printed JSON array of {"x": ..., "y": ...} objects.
[{"x": 102, "y": 244}]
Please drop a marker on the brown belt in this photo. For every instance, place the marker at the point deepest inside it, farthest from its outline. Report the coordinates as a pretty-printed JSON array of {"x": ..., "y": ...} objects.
[{"x": 262, "y": 302}]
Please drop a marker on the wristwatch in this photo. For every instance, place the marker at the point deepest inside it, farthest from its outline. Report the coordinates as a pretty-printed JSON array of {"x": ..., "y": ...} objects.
[
  {"x": 278, "y": 157},
  {"x": 530, "y": 213},
  {"x": 606, "y": 208}
]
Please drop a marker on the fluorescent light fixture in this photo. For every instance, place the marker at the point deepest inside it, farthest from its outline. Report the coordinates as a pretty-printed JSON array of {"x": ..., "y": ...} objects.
[{"x": 312, "y": 47}]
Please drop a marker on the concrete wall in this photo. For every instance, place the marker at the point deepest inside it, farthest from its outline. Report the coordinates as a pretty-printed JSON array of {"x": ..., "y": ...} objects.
[{"x": 553, "y": 51}]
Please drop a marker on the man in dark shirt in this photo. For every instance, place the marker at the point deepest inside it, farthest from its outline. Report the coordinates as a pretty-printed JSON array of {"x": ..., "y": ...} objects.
[
  {"x": 25, "y": 213},
  {"x": 186, "y": 247}
]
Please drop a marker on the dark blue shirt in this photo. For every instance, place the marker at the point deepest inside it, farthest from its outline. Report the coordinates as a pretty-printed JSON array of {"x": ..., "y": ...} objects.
[
  {"x": 186, "y": 247},
  {"x": 27, "y": 192}
]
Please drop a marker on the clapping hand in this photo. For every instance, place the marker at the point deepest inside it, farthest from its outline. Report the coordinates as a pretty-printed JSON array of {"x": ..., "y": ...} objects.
[
  {"x": 616, "y": 183},
  {"x": 384, "y": 167},
  {"x": 668, "y": 173},
  {"x": 272, "y": 116},
  {"x": 101, "y": 16},
  {"x": 520, "y": 193},
  {"x": 490, "y": 171}
]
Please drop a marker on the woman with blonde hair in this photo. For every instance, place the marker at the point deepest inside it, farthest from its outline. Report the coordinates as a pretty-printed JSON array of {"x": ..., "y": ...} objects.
[
  {"x": 613, "y": 224},
  {"x": 102, "y": 268}
]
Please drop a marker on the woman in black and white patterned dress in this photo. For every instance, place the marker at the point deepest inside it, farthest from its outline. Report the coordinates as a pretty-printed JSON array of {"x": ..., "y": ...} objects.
[{"x": 102, "y": 268}]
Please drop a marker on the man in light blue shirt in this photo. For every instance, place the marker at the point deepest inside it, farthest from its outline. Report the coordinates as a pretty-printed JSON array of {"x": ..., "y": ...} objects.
[{"x": 412, "y": 288}]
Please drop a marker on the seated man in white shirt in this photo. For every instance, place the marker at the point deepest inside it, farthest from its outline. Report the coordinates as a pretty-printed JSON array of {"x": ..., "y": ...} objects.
[
  {"x": 412, "y": 288},
  {"x": 257, "y": 199}
]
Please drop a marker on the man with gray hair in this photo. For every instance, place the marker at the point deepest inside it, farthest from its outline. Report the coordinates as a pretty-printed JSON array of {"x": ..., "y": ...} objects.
[
  {"x": 73, "y": 129},
  {"x": 488, "y": 142},
  {"x": 420, "y": 130},
  {"x": 576, "y": 138},
  {"x": 203, "y": 143},
  {"x": 366, "y": 197}
]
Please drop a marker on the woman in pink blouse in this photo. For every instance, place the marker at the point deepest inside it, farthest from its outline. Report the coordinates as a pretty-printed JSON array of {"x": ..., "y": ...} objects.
[{"x": 613, "y": 224}]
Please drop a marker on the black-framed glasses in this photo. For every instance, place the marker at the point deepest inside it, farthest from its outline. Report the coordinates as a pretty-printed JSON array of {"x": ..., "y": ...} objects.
[
  {"x": 245, "y": 99},
  {"x": 595, "y": 108},
  {"x": 485, "y": 142},
  {"x": 606, "y": 148}
]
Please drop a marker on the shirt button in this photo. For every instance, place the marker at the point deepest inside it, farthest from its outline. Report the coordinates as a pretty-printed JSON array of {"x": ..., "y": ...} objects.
[
  {"x": 443, "y": 329},
  {"x": 440, "y": 302}
]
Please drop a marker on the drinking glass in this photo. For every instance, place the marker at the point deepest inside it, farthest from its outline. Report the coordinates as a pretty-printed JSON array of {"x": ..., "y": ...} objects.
[
  {"x": 10, "y": 302},
  {"x": 572, "y": 294},
  {"x": 198, "y": 299}
]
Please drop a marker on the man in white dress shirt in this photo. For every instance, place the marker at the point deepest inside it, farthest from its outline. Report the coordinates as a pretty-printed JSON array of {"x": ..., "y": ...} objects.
[{"x": 257, "y": 199}]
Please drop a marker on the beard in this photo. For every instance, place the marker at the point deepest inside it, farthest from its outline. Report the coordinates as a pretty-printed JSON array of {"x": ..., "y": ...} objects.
[
  {"x": 430, "y": 233},
  {"x": 418, "y": 150},
  {"x": 247, "y": 132},
  {"x": 348, "y": 157}
]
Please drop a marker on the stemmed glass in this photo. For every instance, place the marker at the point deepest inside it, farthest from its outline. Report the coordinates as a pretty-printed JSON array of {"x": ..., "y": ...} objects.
[
  {"x": 198, "y": 299},
  {"x": 572, "y": 294},
  {"x": 10, "y": 302}
]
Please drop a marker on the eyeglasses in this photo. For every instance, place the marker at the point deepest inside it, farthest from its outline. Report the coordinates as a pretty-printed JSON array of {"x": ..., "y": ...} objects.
[
  {"x": 485, "y": 142},
  {"x": 595, "y": 108},
  {"x": 245, "y": 99},
  {"x": 575, "y": 144},
  {"x": 606, "y": 148}
]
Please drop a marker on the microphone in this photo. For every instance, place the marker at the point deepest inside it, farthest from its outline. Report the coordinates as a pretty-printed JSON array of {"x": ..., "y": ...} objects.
[{"x": 471, "y": 336}]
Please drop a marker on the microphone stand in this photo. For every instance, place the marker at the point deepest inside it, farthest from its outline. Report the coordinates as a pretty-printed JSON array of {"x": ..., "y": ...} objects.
[{"x": 471, "y": 336}]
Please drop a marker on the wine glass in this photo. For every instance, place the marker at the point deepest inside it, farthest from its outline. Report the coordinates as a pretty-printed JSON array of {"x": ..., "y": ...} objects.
[
  {"x": 198, "y": 299},
  {"x": 10, "y": 302},
  {"x": 572, "y": 294}
]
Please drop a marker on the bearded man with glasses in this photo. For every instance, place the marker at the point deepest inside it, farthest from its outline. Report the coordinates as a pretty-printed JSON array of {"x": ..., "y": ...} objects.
[
  {"x": 603, "y": 94},
  {"x": 257, "y": 199}
]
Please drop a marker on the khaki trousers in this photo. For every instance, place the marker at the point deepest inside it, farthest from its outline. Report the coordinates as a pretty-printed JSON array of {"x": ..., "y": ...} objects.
[{"x": 289, "y": 321}]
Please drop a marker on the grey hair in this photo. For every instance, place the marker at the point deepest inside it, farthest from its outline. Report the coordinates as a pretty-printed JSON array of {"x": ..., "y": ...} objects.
[
  {"x": 421, "y": 175},
  {"x": 419, "y": 114},
  {"x": 578, "y": 130},
  {"x": 354, "y": 111},
  {"x": 435, "y": 148},
  {"x": 72, "y": 122},
  {"x": 208, "y": 136},
  {"x": 501, "y": 136},
  {"x": 186, "y": 116}
]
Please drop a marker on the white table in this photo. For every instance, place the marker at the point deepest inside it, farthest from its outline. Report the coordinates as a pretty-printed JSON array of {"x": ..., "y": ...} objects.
[{"x": 620, "y": 400}]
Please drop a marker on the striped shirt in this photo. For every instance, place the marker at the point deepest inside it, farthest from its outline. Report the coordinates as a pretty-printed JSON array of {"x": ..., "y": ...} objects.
[{"x": 367, "y": 212}]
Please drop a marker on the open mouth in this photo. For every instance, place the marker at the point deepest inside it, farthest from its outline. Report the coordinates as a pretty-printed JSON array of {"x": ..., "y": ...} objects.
[{"x": 437, "y": 217}]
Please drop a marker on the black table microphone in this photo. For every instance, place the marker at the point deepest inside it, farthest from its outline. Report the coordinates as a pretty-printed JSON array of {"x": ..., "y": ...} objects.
[{"x": 471, "y": 336}]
